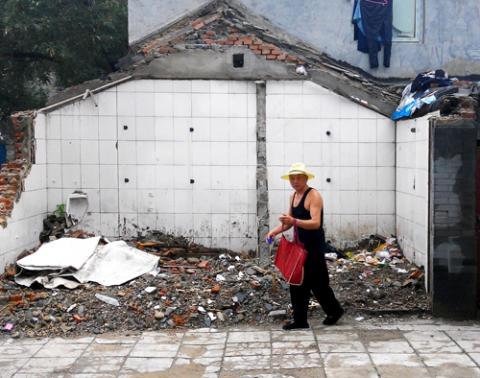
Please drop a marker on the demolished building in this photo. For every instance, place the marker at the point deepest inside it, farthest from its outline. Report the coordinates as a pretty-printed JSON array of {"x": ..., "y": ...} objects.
[{"x": 191, "y": 135}]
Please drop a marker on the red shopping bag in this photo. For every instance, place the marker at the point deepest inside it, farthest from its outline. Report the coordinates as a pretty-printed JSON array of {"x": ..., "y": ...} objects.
[{"x": 290, "y": 259}]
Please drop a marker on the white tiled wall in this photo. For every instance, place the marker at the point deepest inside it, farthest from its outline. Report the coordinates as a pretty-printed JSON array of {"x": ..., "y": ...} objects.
[
  {"x": 412, "y": 188},
  {"x": 134, "y": 154},
  {"x": 26, "y": 222},
  {"x": 358, "y": 155}
]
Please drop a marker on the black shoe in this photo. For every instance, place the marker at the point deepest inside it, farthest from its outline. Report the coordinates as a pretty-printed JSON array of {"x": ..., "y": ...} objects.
[
  {"x": 332, "y": 319},
  {"x": 293, "y": 325}
]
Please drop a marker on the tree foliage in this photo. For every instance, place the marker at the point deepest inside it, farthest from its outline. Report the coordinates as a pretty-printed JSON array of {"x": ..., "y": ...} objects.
[{"x": 56, "y": 42}]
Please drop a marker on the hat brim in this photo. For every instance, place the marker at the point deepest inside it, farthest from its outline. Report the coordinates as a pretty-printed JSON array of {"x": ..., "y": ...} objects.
[{"x": 308, "y": 174}]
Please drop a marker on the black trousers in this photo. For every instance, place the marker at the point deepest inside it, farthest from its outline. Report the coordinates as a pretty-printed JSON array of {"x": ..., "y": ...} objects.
[{"x": 315, "y": 281}]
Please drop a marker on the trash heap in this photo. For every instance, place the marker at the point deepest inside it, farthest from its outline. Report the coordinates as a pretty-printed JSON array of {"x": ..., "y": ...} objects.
[
  {"x": 194, "y": 286},
  {"x": 377, "y": 279}
]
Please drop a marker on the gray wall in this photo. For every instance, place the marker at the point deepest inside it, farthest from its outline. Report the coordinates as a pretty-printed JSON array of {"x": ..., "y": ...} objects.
[
  {"x": 147, "y": 16},
  {"x": 448, "y": 35}
]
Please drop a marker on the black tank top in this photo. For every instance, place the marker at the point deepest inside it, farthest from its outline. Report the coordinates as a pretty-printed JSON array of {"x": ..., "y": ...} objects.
[{"x": 313, "y": 240}]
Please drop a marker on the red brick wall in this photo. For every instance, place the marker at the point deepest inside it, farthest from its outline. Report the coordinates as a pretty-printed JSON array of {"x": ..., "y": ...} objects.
[
  {"x": 13, "y": 173},
  {"x": 212, "y": 31}
]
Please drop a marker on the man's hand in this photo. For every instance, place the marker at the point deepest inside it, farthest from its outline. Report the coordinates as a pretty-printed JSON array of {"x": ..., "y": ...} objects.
[{"x": 287, "y": 220}]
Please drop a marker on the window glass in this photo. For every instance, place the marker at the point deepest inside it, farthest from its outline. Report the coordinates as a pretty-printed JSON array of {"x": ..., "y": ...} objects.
[{"x": 404, "y": 19}]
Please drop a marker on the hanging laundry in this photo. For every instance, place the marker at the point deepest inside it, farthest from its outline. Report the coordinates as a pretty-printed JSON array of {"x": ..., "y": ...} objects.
[{"x": 372, "y": 20}]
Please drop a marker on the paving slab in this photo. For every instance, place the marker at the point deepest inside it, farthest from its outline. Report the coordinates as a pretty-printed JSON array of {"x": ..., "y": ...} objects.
[
  {"x": 439, "y": 350},
  {"x": 467, "y": 340},
  {"x": 107, "y": 350},
  {"x": 248, "y": 349},
  {"x": 19, "y": 351},
  {"x": 97, "y": 365},
  {"x": 154, "y": 350},
  {"x": 135, "y": 365},
  {"x": 399, "y": 365},
  {"x": 431, "y": 342},
  {"x": 297, "y": 361},
  {"x": 246, "y": 362},
  {"x": 48, "y": 366},
  {"x": 55, "y": 348},
  {"x": 248, "y": 337},
  {"x": 201, "y": 351},
  {"x": 294, "y": 347},
  {"x": 8, "y": 367}
]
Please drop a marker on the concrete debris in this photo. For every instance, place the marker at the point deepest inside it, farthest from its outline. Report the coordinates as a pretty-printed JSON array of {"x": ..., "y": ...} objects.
[
  {"x": 185, "y": 292},
  {"x": 107, "y": 299}
]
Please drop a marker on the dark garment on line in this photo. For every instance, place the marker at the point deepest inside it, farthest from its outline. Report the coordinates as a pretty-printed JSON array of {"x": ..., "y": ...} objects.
[
  {"x": 316, "y": 278},
  {"x": 374, "y": 29}
]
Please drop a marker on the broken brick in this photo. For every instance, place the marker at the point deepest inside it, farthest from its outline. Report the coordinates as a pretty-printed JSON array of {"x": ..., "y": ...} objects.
[
  {"x": 77, "y": 318},
  {"x": 215, "y": 289},
  {"x": 197, "y": 24},
  {"x": 203, "y": 264}
]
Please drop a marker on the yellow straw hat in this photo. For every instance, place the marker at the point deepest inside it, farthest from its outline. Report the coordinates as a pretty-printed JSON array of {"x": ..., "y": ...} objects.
[{"x": 298, "y": 169}]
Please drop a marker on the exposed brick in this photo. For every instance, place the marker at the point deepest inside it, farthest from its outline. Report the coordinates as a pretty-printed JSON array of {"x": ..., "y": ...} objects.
[
  {"x": 266, "y": 51},
  {"x": 198, "y": 24},
  {"x": 247, "y": 41},
  {"x": 282, "y": 57},
  {"x": 210, "y": 19},
  {"x": 210, "y": 33},
  {"x": 271, "y": 57},
  {"x": 165, "y": 50},
  {"x": 291, "y": 58},
  {"x": 209, "y": 41},
  {"x": 276, "y": 52},
  {"x": 258, "y": 52},
  {"x": 238, "y": 42}
]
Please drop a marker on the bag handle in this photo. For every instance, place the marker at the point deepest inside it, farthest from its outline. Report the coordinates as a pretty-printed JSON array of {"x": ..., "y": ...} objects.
[{"x": 295, "y": 234}]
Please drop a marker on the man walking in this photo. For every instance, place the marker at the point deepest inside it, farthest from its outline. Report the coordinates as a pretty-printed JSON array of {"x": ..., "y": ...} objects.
[{"x": 306, "y": 213}]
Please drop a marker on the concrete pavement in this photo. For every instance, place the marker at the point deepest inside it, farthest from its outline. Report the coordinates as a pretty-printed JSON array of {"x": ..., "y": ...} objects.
[{"x": 413, "y": 348}]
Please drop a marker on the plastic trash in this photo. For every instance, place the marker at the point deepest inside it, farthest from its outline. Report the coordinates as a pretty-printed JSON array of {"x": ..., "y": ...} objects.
[
  {"x": 269, "y": 239},
  {"x": 107, "y": 299},
  {"x": 301, "y": 70},
  {"x": 383, "y": 254},
  {"x": 331, "y": 256}
]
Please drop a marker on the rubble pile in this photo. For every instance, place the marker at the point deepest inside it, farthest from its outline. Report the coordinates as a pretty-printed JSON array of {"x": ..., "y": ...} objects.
[
  {"x": 377, "y": 279},
  {"x": 198, "y": 287}
]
